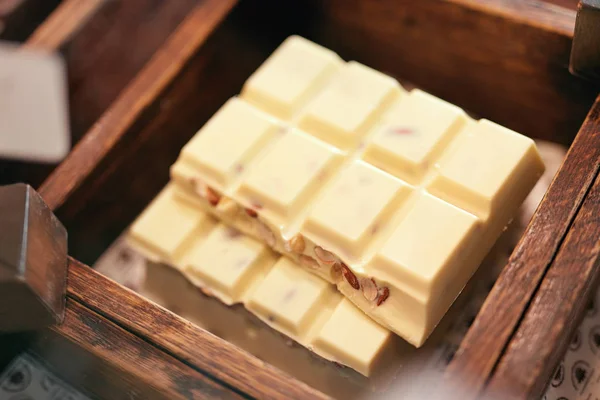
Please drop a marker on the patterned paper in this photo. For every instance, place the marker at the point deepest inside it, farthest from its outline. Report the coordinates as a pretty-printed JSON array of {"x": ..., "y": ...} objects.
[
  {"x": 578, "y": 375},
  {"x": 27, "y": 379}
]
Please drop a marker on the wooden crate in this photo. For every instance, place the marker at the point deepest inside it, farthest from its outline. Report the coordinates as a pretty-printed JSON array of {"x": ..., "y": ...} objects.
[{"x": 141, "y": 95}]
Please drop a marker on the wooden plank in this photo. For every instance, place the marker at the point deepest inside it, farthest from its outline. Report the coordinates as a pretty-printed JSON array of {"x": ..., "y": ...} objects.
[
  {"x": 105, "y": 361},
  {"x": 33, "y": 261},
  {"x": 505, "y": 60},
  {"x": 105, "y": 45},
  {"x": 570, "y": 4},
  {"x": 515, "y": 288},
  {"x": 181, "y": 338},
  {"x": 536, "y": 348},
  {"x": 112, "y": 48},
  {"x": 156, "y": 75},
  {"x": 18, "y": 18},
  {"x": 62, "y": 24},
  {"x": 585, "y": 54}
]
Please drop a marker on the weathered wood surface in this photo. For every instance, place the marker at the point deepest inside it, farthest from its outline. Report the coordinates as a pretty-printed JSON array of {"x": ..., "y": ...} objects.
[
  {"x": 105, "y": 45},
  {"x": 585, "y": 53},
  {"x": 62, "y": 24},
  {"x": 517, "y": 286},
  {"x": 546, "y": 328},
  {"x": 33, "y": 261},
  {"x": 18, "y": 18},
  {"x": 100, "y": 358},
  {"x": 182, "y": 339},
  {"x": 135, "y": 100}
]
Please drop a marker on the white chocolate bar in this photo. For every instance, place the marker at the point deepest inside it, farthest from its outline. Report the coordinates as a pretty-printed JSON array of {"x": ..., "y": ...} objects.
[
  {"x": 395, "y": 197},
  {"x": 237, "y": 269},
  {"x": 285, "y": 82}
]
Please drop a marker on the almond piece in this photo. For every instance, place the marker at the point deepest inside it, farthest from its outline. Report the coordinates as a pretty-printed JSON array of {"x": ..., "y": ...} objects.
[
  {"x": 266, "y": 234},
  {"x": 205, "y": 191},
  {"x": 350, "y": 277},
  {"x": 369, "y": 288},
  {"x": 336, "y": 272},
  {"x": 384, "y": 293},
  {"x": 326, "y": 257},
  {"x": 297, "y": 244},
  {"x": 212, "y": 196},
  {"x": 308, "y": 262}
]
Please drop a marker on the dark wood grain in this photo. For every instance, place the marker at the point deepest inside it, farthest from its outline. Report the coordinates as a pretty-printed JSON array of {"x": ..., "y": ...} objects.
[
  {"x": 107, "y": 362},
  {"x": 18, "y": 18},
  {"x": 507, "y": 302},
  {"x": 134, "y": 100},
  {"x": 62, "y": 24},
  {"x": 182, "y": 339},
  {"x": 505, "y": 60},
  {"x": 33, "y": 261},
  {"x": 137, "y": 167},
  {"x": 112, "y": 48},
  {"x": 542, "y": 337},
  {"x": 571, "y": 4},
  {"x": 585, "y": 54},
  {"x": 105, "y": 44}
]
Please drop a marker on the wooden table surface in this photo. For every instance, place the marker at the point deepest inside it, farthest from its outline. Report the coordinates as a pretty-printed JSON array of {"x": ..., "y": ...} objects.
[{"x": 564, "y": 3}]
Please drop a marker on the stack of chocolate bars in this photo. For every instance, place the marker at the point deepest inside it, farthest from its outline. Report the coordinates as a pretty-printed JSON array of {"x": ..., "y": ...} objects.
[{"x": 339, "y": 208}]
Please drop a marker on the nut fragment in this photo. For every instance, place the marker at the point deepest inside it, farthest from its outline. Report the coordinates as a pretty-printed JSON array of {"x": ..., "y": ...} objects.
[
  {"x": 212, "y": 196},
  {"x": 336, "y": 272},
  {"x": 350, "y": 277},
  {"x": 297, "y": 244},
  {"x": 205, "y": 191},
  {"x": 324, "y": 256},
  {"x": 251, "y": 212},
  {"x": 309, "y": 262},
  {"x": 266, "y": 234},
  {"x": 384, "y": 293},
  {"x": 369, "y": 288}
]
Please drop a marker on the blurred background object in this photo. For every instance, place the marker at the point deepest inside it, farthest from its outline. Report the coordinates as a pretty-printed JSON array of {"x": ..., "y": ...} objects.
[
  {"x": 585, "y": 54},
  {"x": 33, "y": 106}
]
